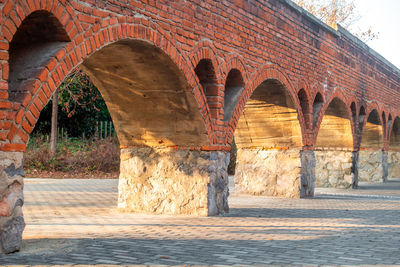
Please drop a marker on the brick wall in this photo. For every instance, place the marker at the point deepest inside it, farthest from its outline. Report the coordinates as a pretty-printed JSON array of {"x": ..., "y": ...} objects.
[{"x": 261, "y": 39}]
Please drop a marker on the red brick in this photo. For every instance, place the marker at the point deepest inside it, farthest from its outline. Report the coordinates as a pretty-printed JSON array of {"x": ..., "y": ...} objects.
[{"x": 13, "y": 147}]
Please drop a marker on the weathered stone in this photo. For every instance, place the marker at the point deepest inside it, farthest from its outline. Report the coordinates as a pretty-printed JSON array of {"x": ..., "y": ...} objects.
[
  {"x": 11, "y": 200},
  {"x": 354, "y": 169},
  {"x": 268, "y": 172},
  {"x": 11, "y": 234},
  {"x": 393, "y": 164},
  {"x": 385, "y": 167},
  {"x": 170, "y": 181},
  {"x": 370, "y": 167},
  {"x": 308, "y": 162},
  {"x": 334, "y": 168}
]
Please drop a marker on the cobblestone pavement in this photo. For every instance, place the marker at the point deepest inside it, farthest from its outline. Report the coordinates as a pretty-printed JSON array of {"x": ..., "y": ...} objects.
[{"x": 76, "y": 222}]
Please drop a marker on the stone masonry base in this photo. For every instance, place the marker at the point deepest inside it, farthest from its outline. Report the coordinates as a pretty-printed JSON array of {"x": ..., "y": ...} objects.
[
  {"x": 372, "y": 166},
  {"x": 274, "y": 172},
  {"x": 393, "y": 164},
  {"x": 12, "y": 222},
  {"x": 170, "y": 181},
  {"x": 333, "y": 168}
]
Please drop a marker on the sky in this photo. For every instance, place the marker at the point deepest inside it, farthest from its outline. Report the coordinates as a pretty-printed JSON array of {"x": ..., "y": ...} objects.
[{"x": 384, "y": 17}]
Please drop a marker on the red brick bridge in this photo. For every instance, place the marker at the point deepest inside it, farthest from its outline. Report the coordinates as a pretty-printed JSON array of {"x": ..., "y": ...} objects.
[{"x": 304, "y": 103}]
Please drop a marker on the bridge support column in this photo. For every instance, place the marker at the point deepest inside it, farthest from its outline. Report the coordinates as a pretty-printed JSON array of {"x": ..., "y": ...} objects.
[
  {"x": 334, "y": 168},
  {"x": 372, "y": 166},
  {"x": 286, "y": 173},
  {"x": 354, "y": 168},
  {"x": 173, "y": 181},
  {"x": 12, "y": 222},
  {"x": 393, "y": 164}
]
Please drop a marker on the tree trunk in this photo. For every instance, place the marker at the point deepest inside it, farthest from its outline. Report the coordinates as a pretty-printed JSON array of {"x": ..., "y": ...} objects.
[{"x": 54, "y": 116}]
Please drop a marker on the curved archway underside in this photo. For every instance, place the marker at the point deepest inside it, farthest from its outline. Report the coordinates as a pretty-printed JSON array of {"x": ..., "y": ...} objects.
[
  {"x": 394, "y": 143},
  {"x": 372, "y": 132},
  {"x": 147, "y": 96},
  {"x": 269, "y": 119},
  {"x": 37, "y": 40},
  {"x": 335, "y": 129}
]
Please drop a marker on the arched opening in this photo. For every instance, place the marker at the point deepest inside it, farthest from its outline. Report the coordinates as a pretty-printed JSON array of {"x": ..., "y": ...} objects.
[
  {"x": 370, "y": 156},
  {"x": 334, "y": 147},
  {"x": 361, "y": 117},
  {"x": 161, "y": 132},
  {"x": 372, "y": 132},
  {"x": 384, "y": 124},
  {"x": 268, "y": 139},
  {"x": 206, "y": 74},
  {"x": 335, "y": 129},
  {"x": 147, "y": 96},
  {"x": 303, "y": 99},
  {"x": 353, "y": 111},
  {"x": 233, "y": 88},
  {"x": 394, "y": 150},
  {"x": 37, "y": 40},
  {"x": 389, "y": 123},
  {"x": 317, "y": 104}
]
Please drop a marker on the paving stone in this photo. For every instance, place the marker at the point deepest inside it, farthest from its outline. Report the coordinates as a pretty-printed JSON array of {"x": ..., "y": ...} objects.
[{"x": 76, "y": 222}]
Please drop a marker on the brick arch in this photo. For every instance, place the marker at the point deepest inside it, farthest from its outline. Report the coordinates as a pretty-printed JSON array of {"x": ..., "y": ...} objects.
[
  {"x": 204, "y": 50},
  {"x": 304, "y": 98},
  {"x": 264, "y": 73},
  {"x": 233, "y": 61},
  {"x": 393, "y": 114},
  {"x": 347, "y": 102},
  {"x": 16, "y": 11},
  {"x": 72, "y": 56}
]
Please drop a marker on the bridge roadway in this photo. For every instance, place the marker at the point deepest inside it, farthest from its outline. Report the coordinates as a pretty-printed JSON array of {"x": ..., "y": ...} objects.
[{"x": 76, "y": 222}]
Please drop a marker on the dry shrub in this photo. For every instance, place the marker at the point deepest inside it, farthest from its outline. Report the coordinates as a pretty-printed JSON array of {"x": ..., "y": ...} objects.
[{"x": 74, "y": 156}]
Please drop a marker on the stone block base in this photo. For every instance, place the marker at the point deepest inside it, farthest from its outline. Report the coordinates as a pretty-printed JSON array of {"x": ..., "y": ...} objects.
[
  {"x": 170, "y": 181},
  {"x": 270, "y": 172},
  {"x": 370, "y": 167},
  {"x": 393, "y": 164},
  {"x": 12, "y": 222},
  {"x": 333, "y": 168}
]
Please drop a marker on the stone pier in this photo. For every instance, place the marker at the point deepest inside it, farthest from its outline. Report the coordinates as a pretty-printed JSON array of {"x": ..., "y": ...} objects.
[
  {"x": 393, "y": 164},
  {"x": 334, "y": 168},
  {"x": 12, "y": 221},
  {"x": 372, "y": 166},
  {"x": 275, "y": 172},
  {"x": 171, "y": 181}
]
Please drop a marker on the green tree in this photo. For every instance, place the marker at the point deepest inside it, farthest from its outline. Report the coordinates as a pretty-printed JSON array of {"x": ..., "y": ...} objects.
[{"x": 80, "y": 106}]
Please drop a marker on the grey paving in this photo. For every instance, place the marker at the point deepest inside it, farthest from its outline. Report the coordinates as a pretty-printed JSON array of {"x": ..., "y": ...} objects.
[{"x": 76, "y": 222}]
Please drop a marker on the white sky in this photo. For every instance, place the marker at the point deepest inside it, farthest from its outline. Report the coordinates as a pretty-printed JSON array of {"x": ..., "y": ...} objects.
[{"x": 384, "y": 17}]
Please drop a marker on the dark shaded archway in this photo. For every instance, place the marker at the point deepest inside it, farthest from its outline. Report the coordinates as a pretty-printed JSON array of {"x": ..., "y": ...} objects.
[
  {"x": 35, "y": 43},
  {"x": 317, "y": 105},
  {"x": 206, "y": 74},
  {"x": 233, "y": 88}
]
